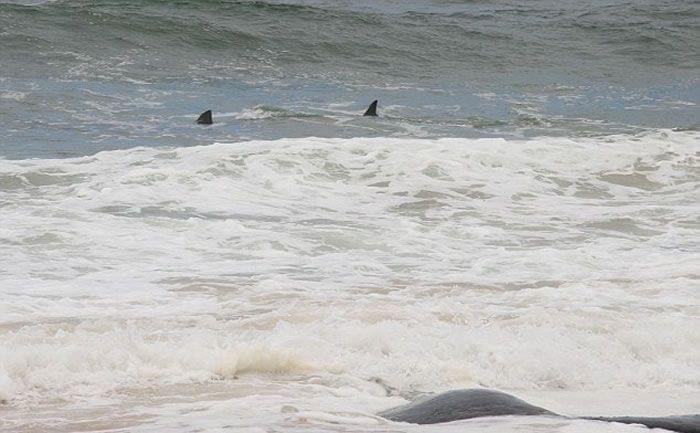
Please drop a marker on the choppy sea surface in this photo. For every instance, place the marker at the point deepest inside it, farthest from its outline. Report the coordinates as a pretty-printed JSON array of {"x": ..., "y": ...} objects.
[{"x": 524, "y": 215}]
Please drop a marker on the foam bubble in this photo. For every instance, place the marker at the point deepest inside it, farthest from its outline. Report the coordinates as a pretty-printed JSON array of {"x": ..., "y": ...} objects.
[{"x": 322, "y": 267}]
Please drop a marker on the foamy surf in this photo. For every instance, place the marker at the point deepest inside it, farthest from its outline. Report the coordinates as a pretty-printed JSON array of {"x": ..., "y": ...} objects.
[{"x": 306, "y": 284}]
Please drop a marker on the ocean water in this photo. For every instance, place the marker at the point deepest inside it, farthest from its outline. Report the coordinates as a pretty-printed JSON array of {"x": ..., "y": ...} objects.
[{"x": 523, "y": 215}]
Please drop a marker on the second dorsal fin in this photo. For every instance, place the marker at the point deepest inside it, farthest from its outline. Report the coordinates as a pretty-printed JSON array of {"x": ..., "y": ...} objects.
[{"x": 205, "y": 118}]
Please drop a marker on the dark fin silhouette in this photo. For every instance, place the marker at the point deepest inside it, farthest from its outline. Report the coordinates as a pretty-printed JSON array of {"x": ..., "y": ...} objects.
[
  {"x": 205, "y": 118},
  {"x": 372, "y": 110}
]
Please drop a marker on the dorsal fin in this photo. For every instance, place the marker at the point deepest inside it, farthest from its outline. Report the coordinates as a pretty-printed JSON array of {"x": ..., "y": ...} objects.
[
  {"x": 372, "y": 109},
  {"x": 205, "y": 118}
]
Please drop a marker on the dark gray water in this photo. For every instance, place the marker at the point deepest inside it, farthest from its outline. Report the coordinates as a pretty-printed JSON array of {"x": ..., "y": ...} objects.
[{"x": 78, "y": 76}]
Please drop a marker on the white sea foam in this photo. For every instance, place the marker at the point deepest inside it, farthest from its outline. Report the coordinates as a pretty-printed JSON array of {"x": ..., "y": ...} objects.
[
  {"x": 17, "y": 96},
  {"x": 307, "y": 271},
  {"x": 261, "y": 112}
]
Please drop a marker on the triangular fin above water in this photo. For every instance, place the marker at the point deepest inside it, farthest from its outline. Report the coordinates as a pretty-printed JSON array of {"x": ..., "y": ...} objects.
[
  {"x": 205, "y": 118},
  {"x": 372, "y": 109}
]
